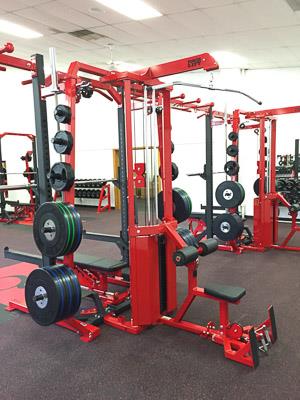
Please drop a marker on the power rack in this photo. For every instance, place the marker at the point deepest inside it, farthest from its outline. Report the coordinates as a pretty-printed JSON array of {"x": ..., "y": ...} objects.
[{"x": 151, "y": 248}]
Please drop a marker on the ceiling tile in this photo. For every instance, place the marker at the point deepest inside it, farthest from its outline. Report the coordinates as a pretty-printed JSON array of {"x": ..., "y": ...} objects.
[
  {"x": 141, "y": 31},
  {"x": 40, "y": 16},
  {"x": 69, "y": 14},
  {"x": 167, "y": 28},
  {"x": 196, "y": 22},
  {"x": 170, "y": 7},
  {"x": 96, "y": 10},
  {"x": 119, "y": 35},
  {"x": 11, "y": 5}
]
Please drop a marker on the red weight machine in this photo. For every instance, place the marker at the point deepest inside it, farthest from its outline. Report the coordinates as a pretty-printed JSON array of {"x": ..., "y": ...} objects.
[
  {"x": 266, "y": 205},
  {"x": 155, "y": 248},
  {"x": 23, "y": 212}
]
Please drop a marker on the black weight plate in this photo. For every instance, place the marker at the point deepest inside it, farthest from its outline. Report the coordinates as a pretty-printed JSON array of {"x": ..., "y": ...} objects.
[
  {"x": 290, "y": 184},
  {"x": 50, "y": 244},
  {"x": 230, "y": 194},
  {"x": 40, "y": 280},
  {"x": 61, "y": 283},
  {"x": 232, "y": 150},
  {"x": 63, "y": 142},
  {"x": 71, "y": 227},
  {"x": 231, "y": 168},
  {"x": 182, "y": 205},
  {"x": 188, "y": 237},
  {"x": 78, "y": 226},
  {"x": 233, "y": 136},
  {"x": 172, "y": 147},
  {"x": 228, "y": 226},
  {"x": 76, "y": 288},
  {"x": 280, "y": 185},
  {"x": 61, "y": 176},
  {"x": 62, "y": 114},
  {"x": 175, "y": 171},
  {"x": 256, "y": 186}
]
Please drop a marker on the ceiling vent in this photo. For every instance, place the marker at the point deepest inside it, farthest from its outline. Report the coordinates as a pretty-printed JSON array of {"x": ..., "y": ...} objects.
[
  {"x": 294, "y": 4},
  {"x": 85, "y": 34}
]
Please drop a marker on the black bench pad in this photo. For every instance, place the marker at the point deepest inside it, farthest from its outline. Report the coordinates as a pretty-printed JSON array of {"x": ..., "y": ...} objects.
[
  {"x": 224, "y": 292},
  {"x": 98, "y": 264}
]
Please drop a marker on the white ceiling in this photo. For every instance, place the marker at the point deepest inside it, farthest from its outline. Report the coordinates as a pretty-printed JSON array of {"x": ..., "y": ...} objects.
[{"x": 265, "y": 32}]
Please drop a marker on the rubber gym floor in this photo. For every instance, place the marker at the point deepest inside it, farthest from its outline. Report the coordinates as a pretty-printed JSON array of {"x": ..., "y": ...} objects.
[{"x": 162, "y": 362}]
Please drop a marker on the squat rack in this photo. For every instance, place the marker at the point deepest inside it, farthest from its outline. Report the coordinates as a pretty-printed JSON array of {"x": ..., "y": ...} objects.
[{"x": 154, "y": 249}]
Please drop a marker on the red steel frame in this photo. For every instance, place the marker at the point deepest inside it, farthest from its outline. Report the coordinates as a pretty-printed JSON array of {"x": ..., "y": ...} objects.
[
  {"x": 265, "y": 220},
  {"x": 144, "y": 276},
  {"x": 27, "y": 212}
]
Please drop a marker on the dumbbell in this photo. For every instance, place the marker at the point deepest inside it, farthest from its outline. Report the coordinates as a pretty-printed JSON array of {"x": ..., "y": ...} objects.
[{"x": 189, "y": 254}]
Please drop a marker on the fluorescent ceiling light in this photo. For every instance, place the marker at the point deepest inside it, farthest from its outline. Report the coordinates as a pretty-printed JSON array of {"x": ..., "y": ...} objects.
[
  {"x": 134, "y": 9},
  {"x": 226, "y": 59},
  {"x": 18, "y": 30}
]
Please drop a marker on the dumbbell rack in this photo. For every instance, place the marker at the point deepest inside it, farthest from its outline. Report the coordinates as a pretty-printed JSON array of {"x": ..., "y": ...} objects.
[{"x": 98, "y": 186}]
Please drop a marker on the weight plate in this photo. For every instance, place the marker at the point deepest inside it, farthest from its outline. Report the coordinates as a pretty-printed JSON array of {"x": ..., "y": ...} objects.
[
  {"x": 63, "y": 142},
  {"x": 78, "y": 227},
  {"x": 228, "y": 226},
  {"x": 231, "y": 168},
  {"x": 233, "y": 136},
  {"x": 182, "y": 205},
  {"x": 62, "y": 114},
  {"x": 256, "y": 186},
  {"x": 175, "y": 171},
  {"x": 61, "y": 285},
  {"x": 70, "y": 227},
  {"x": 290, "y": 184},
  {"x": 61, "y": 176},
  {"x": 51, "y": 230},
  {"x": 188, "y": 237},
  {"x": 172, "y": 147},
  {"x": 45, "y": 311},
  {"x": 232, "y": 150},
  {"x": 76, "y": 299},
  {"x": 280, "y": 185},
  {"x": 230, "y": 194}
]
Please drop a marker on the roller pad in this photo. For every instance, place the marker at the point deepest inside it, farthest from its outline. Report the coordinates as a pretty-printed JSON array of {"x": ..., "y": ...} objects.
[
  {"x": 208, "y": 246},
  {"x": 185, "y": 256}
]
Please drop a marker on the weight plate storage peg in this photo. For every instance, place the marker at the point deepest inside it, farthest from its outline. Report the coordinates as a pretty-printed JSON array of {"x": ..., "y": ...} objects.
[
  {"x": 182, "y": 205},
  {"x": 232, "y": 150},
  {"x": 52, "y": 294},
  {"x": 57, "y": 229},
  {"x": 230, "y": 194},
  {"x": 61, "y": 176},
  {"x": 231, "y": 168},
  {"x": 228, "y": 226},
  {"x": 62, "y": 114},
  {"x": 63, "y": 142}
]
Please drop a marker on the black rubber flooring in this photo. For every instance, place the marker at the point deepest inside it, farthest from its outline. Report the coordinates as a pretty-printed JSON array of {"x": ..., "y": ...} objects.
[{"x": 161, "y": 363}]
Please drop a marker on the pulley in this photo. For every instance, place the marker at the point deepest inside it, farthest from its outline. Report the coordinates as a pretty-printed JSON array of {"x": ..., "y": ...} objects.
[
  {"x": 86, "y": 89},
  {"x": 228, "y": 226},
  {"x": 188, "y": 237},
  {"x": 230, "y": 194},
  {"x": 61, "y": 176},
  {"x": 63, "y": 142},
  {"x": 52, "y": 294},
  {"x": 233, "y": 136},
  {"x": 256, "y": 186},
  {"x": 182, "y": 205},
  {"x": 232, "y": 150},
  {"x": 57, "y": 229},
  {"x": 231, "y": 168},
  {"x": 62, "y": 114}
]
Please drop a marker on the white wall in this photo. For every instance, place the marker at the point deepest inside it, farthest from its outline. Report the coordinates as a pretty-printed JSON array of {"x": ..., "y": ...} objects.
[{"x": 97, "y": 126}]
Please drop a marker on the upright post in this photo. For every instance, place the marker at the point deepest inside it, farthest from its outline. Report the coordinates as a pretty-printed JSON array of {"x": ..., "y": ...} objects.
[
  {"x": 42, "y": 140},
  {"x": 209, "y": 175}
]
